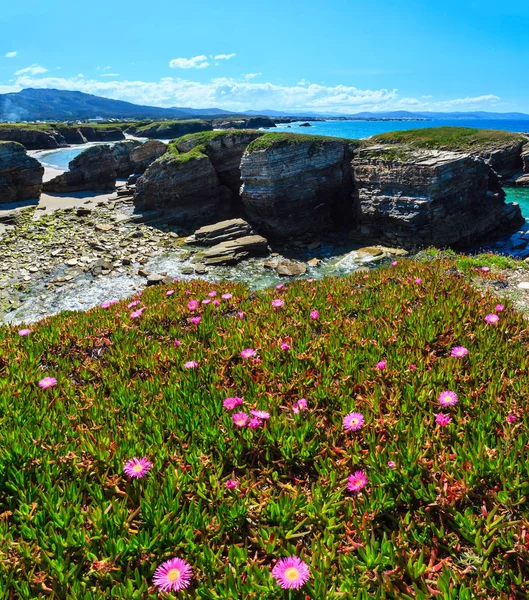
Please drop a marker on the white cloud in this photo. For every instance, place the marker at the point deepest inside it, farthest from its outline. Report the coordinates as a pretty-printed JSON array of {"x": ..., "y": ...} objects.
[
  {"x": 249, "y": 76},
  {"x": 243, "y": 94},
  {"x": 197, "y": 62},
  {"x": 109, "y": 74},
  {"x": 11, "y": 54},
  {"x": 34, "y": 69},
  {"x": 224, "y": 56}
]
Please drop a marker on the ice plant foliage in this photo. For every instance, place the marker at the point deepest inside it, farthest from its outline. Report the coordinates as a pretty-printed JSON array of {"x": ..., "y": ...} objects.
[
  {"x": 291, "y": 573},
  {"x": 173, "y": 575},
  {"x": 231, "y": 492}
]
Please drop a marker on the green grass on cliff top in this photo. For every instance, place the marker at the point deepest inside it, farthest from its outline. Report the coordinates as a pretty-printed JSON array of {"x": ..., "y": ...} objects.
[
  {"x": 449, "y": 138},
  {"x": 269, "y": 140},
  {"x": 446, "y": 518},
  {"x": 198, "y": 143}
]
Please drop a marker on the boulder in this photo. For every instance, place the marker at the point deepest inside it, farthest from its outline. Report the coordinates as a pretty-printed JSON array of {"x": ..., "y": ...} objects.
[
  {"x": 305, "y": 125},
  {"x": 33, "y": 139},
  {"x": 20, "y": 174},
  {"x": 225, "y": 231},
  {"x": 233, "y": 251},
  {"x": 143, "y": 155},
  {"x": 296, "y": 184},
  {"x": 428, "y": 197},
  {"x": 290, "y": 268},
  {"x": 93, "y": 169},
  {"x": 121, "y": 151}
]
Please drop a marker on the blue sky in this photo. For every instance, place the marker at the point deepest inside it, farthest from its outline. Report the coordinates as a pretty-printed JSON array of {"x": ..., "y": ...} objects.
[{"x": 328, "y": 56}]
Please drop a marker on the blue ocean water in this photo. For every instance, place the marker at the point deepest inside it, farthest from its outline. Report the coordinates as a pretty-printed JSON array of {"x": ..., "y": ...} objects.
[{"x": 357, "y": 130}]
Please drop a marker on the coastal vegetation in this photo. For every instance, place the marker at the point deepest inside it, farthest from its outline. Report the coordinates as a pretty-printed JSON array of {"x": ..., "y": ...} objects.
[
  {"x": 288, "y": 139},
  {"x": 459, "y": 139},
  {"x": 372, "y": 428}
]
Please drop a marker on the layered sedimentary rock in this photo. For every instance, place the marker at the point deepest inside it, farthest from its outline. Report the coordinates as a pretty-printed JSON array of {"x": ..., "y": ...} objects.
[
  {"x": 20, "y": 174},
  {"x": 294, "y": 185},
  {"x": 233, "y": 251},
  {"x": 122, "y": 151},
  {"x": 33, "y": 139},
  {"x": 506, "y": 160},
  {"x": 420, "y": 198},
  {"x": 144, "y": 154},
  {"x": 225, "y": 150},
  {"x": 92, "y": 169},
  {"x": 72, "y": 135},
  {"x": 198, "y": 179},
  {"x": 224, "y": 231},
  {"x": 97, "y": 134},
  {"x": 184, "y": 187}
]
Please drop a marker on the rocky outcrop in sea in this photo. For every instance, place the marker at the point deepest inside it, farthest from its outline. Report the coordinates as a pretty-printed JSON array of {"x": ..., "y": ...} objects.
[{"x": 20, "y": 174}]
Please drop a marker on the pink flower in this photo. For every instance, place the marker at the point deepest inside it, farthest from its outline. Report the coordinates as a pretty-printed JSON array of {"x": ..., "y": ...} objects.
[
  {"x": 260, "y": 414},
  {"x": 442, "y": 419},
  {"x": 418, "y": 280},
  {"x": 248, "y": 353},
  {"x": 137, "y": 467},
  {"x": 291, "y": 573},
  {"x": 279, "y": 286},
  {"x": 511, "y": 418},
  {"x": 136, "y": 314},
  {"x": 240, "y": 419},
  {"x": 206, "y": 301},
  {"x": 499, "y": 307},
  {"x": 278, "y": 303},
  {"x": 447, "y": 398},
  {"x": 196, "y": 320},
  {"x": 191, "y": 364},
  {"x": 47, "y": 382},
  {"x": 173, "y": 575},
  {"x": 492, "y": 318},
  {"x": 216, "y": 302},
  {"x": 231, "y": 484},
  {"x": 231, "y": 403},
  {"x": 254, "y": 423},
  {"x": 300, "y": 405},
  {"x": 24, "y": 332},
  {"x": 314, "y": 314},
  {"x": 485, "y": 269},
  {"x": 192, "y": 304},
  {"x": 285, "y": 346},
  {"x": 105, "y": 304},
  {"x": 112, "y": 302},
  {"x": 177, "y": 343},
  {"x": 310, "y": 280},
  {"x": 412, "y": 367},
  {"x": 240, "y": 315},
  {"x": 353, "y": 421},
  {"x": 381, "y": 365},
  {"x": 169, "y": 293},
  {"x": 227, "y": 296},
  {"x": 212, "y": 294},
  {"x": 133, "y": 304},
  {"x": 459, "y": 352},
  {"x": 391, "y": 464},
  {"x": 356, "y": 481},
  {"x": 394, "y": 263}
]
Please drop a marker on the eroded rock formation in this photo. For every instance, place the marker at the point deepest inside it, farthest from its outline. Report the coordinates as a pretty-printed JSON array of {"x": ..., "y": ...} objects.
[
  {"x": 421, "y": 197},
  {"x": 20, "y": 174},
  {"x": 294, "y": 185},
  {"x": 93, "y": 169},
  {"x": 143, "y": 155},
  {"x": 33, "y": 139}
]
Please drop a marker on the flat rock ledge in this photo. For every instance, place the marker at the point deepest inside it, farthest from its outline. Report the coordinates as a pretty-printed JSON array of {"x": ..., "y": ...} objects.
[
  {"x": 224, "y": 231},
  {"x": 233, "y": 251}
]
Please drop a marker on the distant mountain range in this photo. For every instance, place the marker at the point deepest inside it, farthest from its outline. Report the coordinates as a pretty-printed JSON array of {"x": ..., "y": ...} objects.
[{"x": 62, "y": 105}]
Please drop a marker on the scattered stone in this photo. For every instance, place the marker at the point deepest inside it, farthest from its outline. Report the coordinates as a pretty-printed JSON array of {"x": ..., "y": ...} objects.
[
  {"x": 233, "y": 251},
  {"x": 155, "y": 279},
  {"x": 524, "y": 285},
  {"x": 224, "y": 231},
  {"x": 370, "y": 251},
  {"x": 314, "y": 262},
  {"x": 143, "y": 273},
  {"x": 290, "y": 268},
  {"x": 104, "y": 227}
]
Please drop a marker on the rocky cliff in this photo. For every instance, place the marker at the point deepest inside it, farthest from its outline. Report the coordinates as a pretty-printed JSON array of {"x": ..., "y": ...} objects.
[
  {"x": 198, "y": 179},
  {"x": 20, "y": 174},
  {"x": 250, "y": 123},
  {"x": 122, "y": 151},
  {"x": 145, "y": 154},
  {"x": 99, "y": 134},
  {"x": 33, "y": 139},
  {"x": 294, "y": 184},
  {"x": 428, "y": 197},
  {"x": 92, "y": 169}
]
